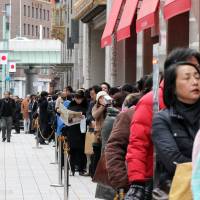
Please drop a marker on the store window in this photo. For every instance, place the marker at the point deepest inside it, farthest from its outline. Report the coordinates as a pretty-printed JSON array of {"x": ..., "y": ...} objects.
[
  {"x": 24, "y": 10},
  {"x": 7, "y": 9},
  {"x": 24, "y": 29},
  {"x": 28, "y": 29},
  {"x": 40, "y": 13},
  {"x": 48, "y": 15},
  {"x": 33, "y": 30},
  {"x": 44, "y": 13},
  {"x": 36, "y": 31},
  {"x": 47, "y": 32},
  {"x": 36, "y": 13},
  {"x": 29, "y": 11},
  {"x": 44, "y": 32},
  {"x": 33, "y": 12}
]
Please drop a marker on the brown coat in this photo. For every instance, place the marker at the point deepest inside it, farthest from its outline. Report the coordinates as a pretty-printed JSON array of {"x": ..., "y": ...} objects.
[
  {"x": 25, "y": 108},
  {"x": 98, "y": 114},
  {"x": 116, "y": 149}
]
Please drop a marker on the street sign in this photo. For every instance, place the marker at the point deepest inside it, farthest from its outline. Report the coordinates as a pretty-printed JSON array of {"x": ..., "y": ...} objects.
[
  {"x": 12, "y": 67},
  {"x": 3, "y": 58}
]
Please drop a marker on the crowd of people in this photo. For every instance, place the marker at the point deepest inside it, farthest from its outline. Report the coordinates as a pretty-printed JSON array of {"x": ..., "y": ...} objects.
[{"x": 122, "y": 131}]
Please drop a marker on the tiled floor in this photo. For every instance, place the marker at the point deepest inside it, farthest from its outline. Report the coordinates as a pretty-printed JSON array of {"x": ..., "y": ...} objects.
[{"x": 26, "y": 173}]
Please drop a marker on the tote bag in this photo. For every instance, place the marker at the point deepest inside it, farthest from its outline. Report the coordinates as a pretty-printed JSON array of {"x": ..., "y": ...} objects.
[
  {"x": 181, "y": 184},
  {"x": 89, "y": 140}
]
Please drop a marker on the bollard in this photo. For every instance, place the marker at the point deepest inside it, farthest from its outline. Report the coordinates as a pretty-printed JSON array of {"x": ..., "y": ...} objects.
[
  {"x": 56, "y": 150},
  {"x": 60, "y": 139},
  {"x": 66, "y": 171},
  {"x": 37, "y": 140}
]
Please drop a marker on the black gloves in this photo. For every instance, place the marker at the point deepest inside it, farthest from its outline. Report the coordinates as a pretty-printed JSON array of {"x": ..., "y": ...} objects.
[
  {"x": 148, "y": 190},
  {"x": 136, "y": 192}
]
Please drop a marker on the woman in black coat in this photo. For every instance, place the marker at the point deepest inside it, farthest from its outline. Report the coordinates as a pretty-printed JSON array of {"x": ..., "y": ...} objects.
[
  {"x": 75, "y": 137},
  {"x": 43, "y": 117},
  {"x": 175, "y": 128}
]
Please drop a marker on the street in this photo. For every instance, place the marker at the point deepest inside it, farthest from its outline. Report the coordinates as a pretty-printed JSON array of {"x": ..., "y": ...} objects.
[{"x": 26, "y": 173}]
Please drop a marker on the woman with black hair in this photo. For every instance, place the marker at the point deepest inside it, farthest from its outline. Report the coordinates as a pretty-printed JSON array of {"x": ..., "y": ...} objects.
[
  {"x": 43, "y": 116},
  {"x": 175, "y": 127},
  {"x": 139, "y": 156},
  {"x": 75, "y": 138}
]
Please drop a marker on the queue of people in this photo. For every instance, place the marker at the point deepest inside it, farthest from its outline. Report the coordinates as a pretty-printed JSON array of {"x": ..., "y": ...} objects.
[{"x": 139, "y": 149}]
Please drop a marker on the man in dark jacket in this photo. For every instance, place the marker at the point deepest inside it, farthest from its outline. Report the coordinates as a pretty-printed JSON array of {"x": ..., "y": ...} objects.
[
  {"x": 7, "y": 110},
  {"x": 17, "y": 115}
]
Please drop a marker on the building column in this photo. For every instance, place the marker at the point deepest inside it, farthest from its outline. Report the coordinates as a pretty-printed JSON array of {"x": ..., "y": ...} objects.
[
  {"x": 80, "y": 55},
  {"x": 76, "y": 68},
  {"x": 195, "y": 26},
  {"x": 31, "y": 77},
  {"x": 86, "y": 56},
  {"x": 109, "y": 50}
]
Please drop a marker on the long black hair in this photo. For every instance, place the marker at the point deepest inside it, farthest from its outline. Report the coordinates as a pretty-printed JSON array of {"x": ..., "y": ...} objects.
[{"x": 170, "y": 82}]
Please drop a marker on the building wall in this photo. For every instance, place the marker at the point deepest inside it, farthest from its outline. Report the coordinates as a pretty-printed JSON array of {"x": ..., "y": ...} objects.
[
  {"x": 131, "y": 64},
  {"x": 97, "y": 58},
  {"x": 29, "y": 21}
]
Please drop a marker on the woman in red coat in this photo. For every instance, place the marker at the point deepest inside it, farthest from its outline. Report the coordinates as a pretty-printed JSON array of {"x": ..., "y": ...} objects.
[{"x": 140, "y": 149}]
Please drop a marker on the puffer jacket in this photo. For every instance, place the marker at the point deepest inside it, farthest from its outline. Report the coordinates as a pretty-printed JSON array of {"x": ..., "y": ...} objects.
[
  {"x": 140, "y": 149},
  {"x": 173, "y": 138}
]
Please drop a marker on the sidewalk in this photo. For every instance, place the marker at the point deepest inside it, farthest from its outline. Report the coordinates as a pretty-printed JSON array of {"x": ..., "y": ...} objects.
[{"x": 26, "y": 173}]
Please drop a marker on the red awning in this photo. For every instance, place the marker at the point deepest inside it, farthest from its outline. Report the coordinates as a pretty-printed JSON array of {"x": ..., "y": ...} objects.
[
  {"x": 147, "y": 15},
  {"x": 110, "y": 25},
  {"x": 126, "y": 20},
  {"x": 176, "y": 7}
]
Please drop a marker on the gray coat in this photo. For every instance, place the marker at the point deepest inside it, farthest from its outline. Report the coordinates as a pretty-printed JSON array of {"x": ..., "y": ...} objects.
[{"x": 103, "y": 191}]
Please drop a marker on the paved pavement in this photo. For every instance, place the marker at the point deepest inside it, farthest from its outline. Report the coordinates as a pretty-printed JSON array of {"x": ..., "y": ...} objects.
[{"x": 26, "y": 173}]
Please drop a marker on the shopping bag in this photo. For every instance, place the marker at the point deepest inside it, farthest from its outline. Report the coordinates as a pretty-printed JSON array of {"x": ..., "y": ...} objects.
[
  {"x": 196, "y": 168},
  {"x": 89, "y": 140},
  {"x": 83, "y": 125},
  {"x": 196, "y": 179},
  {"x": 181, "y": 184}
]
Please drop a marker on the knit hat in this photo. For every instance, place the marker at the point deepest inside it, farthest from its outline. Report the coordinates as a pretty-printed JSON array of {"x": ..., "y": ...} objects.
[{"x": 100, "y": 94}]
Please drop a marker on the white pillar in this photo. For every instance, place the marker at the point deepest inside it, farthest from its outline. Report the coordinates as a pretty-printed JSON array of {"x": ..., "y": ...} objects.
[
  {"x": 76, "y": 68},
  {"x": 108, "y": 50},
  {"x": 41, "y": 32},
  {"x": 80, "y": 54},
  {"x": 86, "y": 55},
  {"x": 111, "y": 56}
]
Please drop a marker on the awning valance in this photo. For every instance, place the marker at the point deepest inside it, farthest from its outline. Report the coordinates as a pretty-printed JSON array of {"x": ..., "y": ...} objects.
[
  {"x": 147, "y": 15},
  {"x": 124, "y": 28},
  {"x": 111, "y": 22},
  {"x": 176, "y": 7}
]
